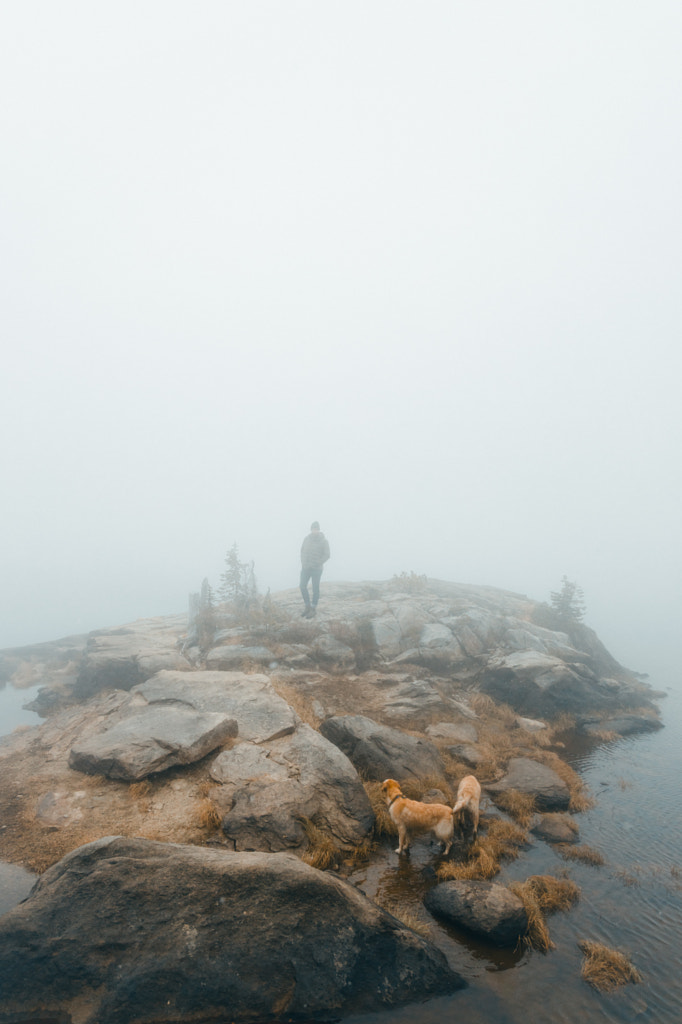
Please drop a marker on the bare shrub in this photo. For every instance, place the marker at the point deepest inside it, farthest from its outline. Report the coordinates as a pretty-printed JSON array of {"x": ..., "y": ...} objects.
[
  {"x": 605, "y": 969},
  {"x": 409, "y": 583}
]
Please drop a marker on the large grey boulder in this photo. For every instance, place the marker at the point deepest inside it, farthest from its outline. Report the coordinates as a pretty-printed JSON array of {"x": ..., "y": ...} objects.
[
  {"x": 250, "y": 698},
  {"x": 128, "y": 930},
  {"x": 527, "y": 776},
  {"x": 380, "y": 752},
  {"x": 151, "y": 739},
  {"x": 484, "y": 908},
  {"x": 266, "y": 790}
]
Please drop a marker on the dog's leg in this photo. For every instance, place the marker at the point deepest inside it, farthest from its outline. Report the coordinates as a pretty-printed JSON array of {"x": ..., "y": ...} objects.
[{"x": 403, "y": 842}]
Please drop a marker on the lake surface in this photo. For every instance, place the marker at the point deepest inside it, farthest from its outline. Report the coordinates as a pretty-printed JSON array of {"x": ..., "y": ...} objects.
[{"x": 633, "y": 902}]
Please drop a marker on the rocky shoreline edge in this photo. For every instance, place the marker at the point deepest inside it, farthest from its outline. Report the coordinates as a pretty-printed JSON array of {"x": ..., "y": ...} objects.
[{"x": 201, "y": 794}]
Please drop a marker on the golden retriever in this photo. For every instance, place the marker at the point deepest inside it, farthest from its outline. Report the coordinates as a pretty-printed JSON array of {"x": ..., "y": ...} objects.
[
  {"x": 414, "y": 817},
  {"x": 467, "y": 802}
]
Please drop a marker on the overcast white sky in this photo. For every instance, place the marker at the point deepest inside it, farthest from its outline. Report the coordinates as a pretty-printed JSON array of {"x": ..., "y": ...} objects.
[{"x": 409, "y": 269}]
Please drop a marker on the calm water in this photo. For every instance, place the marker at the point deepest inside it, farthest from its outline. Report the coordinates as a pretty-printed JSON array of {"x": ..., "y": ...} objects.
[{"x": 633, "y": 903}]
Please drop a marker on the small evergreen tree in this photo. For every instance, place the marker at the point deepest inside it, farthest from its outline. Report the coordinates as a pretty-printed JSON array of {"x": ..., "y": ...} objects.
[
  {"x": 568, "y": 602},
  {"x": 238, "y": 583},
  {"x": 232, "y": 587}
]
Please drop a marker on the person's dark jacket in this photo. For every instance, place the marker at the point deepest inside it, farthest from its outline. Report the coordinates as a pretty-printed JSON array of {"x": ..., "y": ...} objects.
[{"x": 314, "y": 550}]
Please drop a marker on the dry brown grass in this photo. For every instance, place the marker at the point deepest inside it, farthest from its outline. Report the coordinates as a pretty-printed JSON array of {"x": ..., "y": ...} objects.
[
  {"x": 580, "y": 800},
  {"x": 542, "y": 895},
  {"x": 321, "y": 852},
  {"x": 584, "y": 854},
  {"x": 140, "y": 790},
  {"x": 605, "y": 969},
  {"x": 208, "y": 815},
  {"x": 301, "y": 704},
  {"x": 520, "y": 806},
  {"x": 383, "y": 823},
  {"x": 502, "y": 841}
]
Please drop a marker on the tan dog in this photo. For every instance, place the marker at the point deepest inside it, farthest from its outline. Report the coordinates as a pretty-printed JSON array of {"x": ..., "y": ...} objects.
[
  {"x": 467, "y": 802},
  {"x": 413, "y": 817}
]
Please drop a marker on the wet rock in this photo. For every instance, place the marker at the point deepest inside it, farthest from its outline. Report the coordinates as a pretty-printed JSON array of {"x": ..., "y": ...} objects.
[
  {"x": 126, "y": 930},
  {"x": 484, "y": 908},
  {"x": 380, "y": 752},
  {"x": 623, "y": 725},
  {"x": 555, "y": 828},
  {"x": 528, "y": 776},
  {"x": 530, "y": 724},
  {"x": 151, "y": 739},
  {"x": 268, "y": 788}
]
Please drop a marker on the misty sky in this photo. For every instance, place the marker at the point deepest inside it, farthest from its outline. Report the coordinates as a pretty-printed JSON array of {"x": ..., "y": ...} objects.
[{"x": 409, "y": 269}]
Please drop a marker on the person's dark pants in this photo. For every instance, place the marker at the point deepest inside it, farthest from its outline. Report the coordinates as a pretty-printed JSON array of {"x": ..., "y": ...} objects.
[{"x": 314, "y": 575}]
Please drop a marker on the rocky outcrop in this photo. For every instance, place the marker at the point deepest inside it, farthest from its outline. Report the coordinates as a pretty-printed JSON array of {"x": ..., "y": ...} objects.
[
  {"x": 118, "y": 659},
  {"x": 269, "y": 790},
  {"x": 534, "y": 779},
  {"x": 487, "y": 909},
  {"x": 178, "y": 718},
  {"x": 379, "y": 752},
  {"x": 128, "y": 930}
]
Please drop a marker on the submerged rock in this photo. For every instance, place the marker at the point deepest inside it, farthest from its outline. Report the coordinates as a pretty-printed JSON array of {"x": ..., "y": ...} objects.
[
  {"x": 484, "y": 908},
  {"x": 527, "y": 776},
  {"x": 129, "y": 930},
  {"x": 622, "y": 725},
  {"x": 555, "y": 828}
]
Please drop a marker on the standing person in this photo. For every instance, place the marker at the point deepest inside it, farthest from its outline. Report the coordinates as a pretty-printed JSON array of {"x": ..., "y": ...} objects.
[{"x": 314, "y": 553}]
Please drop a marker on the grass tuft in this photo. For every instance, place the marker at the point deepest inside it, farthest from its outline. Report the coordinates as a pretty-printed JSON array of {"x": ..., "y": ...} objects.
[
  {"x": 520, "y": 806},
  {"x": 606, "y": 969},
  {"x": 321, "y": 852},
  {"x": 585, "y": 854},
  {"x": 208, "y": 815},
  {"x": 502, "y": 841},
  {"x": 542, "y": 895}
]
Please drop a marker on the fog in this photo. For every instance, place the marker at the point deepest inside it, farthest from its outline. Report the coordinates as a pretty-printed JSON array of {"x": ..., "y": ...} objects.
[{"x": 409, "y": 270}]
